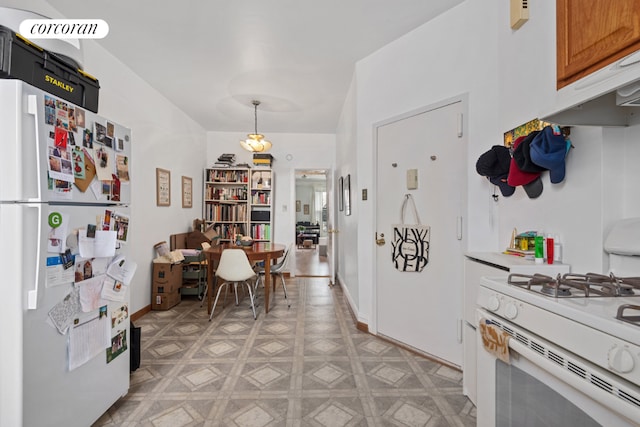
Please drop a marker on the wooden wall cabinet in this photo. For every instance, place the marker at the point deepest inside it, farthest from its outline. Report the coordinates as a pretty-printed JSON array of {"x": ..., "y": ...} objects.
[{"x": 593, "y": 34}]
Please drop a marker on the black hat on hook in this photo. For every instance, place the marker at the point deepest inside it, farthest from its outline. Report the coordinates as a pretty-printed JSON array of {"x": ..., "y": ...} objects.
[{"x": 494, "y": 164}]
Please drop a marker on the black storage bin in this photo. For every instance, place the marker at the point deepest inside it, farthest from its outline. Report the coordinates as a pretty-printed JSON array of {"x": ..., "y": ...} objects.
[
  {"x": 23, "y": 60},
  {"x": 135, "y": 333},
  {"x": 261, "y": 216}
]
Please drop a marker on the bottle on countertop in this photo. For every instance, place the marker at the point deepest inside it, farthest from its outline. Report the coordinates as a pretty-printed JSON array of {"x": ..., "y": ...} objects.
[
  {"x": 550, "y": 248},
  {"x": 557, "y": 249},
  {"x": 539, "y": 249}
]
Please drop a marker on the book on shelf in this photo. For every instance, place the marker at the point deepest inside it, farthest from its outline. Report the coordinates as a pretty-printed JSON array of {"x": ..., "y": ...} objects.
[{"x": 517, "y": 251}]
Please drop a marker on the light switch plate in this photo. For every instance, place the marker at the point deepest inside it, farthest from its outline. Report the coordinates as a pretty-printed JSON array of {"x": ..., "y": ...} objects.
[{"x": 412, "y": 179}]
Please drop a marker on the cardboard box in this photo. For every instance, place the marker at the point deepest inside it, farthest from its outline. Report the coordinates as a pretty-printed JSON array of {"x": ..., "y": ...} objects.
[
  {"x": 165, "y": 301},
  {"x": 167, "y": 277},
  {"x": 165, "y": 285}
]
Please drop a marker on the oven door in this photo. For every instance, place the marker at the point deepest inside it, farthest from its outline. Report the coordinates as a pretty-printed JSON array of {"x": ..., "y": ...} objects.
[{"x": 544, "y": 385}]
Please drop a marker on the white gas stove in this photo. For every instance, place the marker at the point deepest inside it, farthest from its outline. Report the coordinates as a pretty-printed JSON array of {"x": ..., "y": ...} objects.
[
  {"x": 573, "y": 343},
  {"x": 585, "y": 326}
]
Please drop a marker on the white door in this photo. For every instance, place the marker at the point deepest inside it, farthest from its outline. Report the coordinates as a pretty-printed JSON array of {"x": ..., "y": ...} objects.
[{"x": 423, "y": 309}]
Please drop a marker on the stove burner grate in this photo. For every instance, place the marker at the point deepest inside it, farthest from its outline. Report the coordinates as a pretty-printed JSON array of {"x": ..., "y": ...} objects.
[
  {"x": 627, "y": 318},
  {"x": 577, "y": 285}
]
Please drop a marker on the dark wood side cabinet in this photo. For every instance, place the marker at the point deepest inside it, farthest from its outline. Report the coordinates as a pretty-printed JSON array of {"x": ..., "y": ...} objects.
[{"x": 594, "y": 33}]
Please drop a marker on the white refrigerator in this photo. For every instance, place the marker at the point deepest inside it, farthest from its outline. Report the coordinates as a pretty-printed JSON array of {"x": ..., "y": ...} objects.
[{"x": 64, "y": 226}]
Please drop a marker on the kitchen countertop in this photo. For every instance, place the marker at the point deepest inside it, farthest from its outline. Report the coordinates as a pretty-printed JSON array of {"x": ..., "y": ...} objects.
[{"x": 510, "y": 261}]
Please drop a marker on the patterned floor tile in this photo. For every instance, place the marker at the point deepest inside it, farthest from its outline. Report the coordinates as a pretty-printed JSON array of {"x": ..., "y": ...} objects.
[{"x": 306, "y": 365}]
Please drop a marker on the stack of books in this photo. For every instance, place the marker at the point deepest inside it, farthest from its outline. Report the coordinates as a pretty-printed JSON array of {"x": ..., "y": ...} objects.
[
  {"x": 262, "y": 159},
  {"x": 225, "y": 161}
]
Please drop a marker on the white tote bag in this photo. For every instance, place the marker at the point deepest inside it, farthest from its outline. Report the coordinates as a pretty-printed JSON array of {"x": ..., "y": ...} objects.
[{"x": 410, "y": 244}]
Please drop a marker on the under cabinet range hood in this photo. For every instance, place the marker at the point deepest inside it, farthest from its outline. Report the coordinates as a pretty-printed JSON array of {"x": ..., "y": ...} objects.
[{"x": 607, "y": 97}]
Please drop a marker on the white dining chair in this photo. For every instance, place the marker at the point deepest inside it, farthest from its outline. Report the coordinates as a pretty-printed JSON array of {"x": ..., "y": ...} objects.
[
  {"x": 234, "y": 267},
  {"x": 276, "y": 270}
]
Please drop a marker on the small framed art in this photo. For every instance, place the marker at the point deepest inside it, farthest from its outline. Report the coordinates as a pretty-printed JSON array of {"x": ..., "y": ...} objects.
[
  {"x": 347, "y": 195},
  {"x": 340, "y": 194},
  {"x": 163, "y": 187},
  {"x": 187, "y": 192}
]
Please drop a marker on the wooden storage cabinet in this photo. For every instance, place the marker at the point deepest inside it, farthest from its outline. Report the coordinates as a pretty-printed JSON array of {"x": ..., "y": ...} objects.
[
  {"x": 225, "y": 200},
  {"x": 261, "y": 205},
  {"x": 591, "y": 35}
]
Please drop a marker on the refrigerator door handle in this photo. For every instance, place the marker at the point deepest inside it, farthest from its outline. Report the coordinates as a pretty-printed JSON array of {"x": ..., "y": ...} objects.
[
  {"x": 32, "y": 108},
  {"x": 32, "y": 300}
]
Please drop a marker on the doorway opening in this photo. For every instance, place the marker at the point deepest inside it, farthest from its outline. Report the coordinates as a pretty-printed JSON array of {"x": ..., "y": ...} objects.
[{"x": 311, "y": 223}]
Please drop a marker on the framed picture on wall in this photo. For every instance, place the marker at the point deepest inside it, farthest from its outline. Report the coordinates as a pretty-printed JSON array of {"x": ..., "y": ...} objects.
[
  {"x": 347, "y": 195},
  {"x": 297, "y": 205},
  {"x": 340, "y": 195},
  {"x": 163, "y": 187},
  {"x": 187, "y": 192},
  {"x": 306, "y": 209}
]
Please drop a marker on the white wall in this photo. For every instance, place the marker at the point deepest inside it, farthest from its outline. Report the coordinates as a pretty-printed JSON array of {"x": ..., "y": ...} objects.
[
  {"x": 452, "y": 55},
  {"x": 598, "y": 187},
  {"x": 305, "y": 191},
  {"x": 162, "y": 136},
  {"x": 346, "y": 240},
  {"x": 510, "y": 78}
]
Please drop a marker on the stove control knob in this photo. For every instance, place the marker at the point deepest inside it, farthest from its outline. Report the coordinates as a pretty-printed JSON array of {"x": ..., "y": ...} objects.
[
  {"x": 620, "y": 359},
  {"x": 510, "y": 311},
  {"x": 494, "y": 303}
]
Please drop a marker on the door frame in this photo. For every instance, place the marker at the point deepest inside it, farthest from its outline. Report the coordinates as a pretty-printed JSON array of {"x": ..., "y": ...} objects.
[
  {"x": 331, "y": 215},
  {"x": 464, "y": 99}
]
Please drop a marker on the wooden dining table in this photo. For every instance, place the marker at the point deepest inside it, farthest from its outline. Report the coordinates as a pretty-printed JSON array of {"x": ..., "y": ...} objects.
[{"x": 259, "y": 251}]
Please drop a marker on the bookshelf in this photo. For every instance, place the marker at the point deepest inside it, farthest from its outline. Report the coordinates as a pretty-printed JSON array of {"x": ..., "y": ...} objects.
[
  {"x": 261, "y": 204},
  {"x": 225, "y": 201},
  {"x": 239, "y": 201}
]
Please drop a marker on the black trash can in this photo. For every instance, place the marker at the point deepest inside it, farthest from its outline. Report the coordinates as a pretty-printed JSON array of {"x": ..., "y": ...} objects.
[{"x": 135, "y": 333}]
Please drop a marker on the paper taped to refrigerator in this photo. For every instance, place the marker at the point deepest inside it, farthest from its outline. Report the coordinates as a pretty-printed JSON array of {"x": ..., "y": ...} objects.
[
  {"x": 102, "y": 245},
  {"x": 89, "y": 338},
  {"x": 90, "y": 293},
  {"x": 63, "y": 313}
]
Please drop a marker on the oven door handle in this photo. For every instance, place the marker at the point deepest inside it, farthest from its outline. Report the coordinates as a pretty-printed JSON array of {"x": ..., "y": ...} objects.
[{"x": 582, "y": 384}]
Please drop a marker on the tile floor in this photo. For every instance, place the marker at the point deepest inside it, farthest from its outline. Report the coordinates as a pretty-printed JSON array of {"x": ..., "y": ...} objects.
[{"x": 301, "y": 366}]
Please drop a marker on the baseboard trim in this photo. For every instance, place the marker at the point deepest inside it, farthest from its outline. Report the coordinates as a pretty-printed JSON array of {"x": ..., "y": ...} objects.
[
  {"x": 138, "y": 314},
  {"x": 361, "y": 326}
]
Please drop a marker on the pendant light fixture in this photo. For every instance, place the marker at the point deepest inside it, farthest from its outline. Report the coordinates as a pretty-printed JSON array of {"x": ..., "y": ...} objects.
[{"x": 255, "y": 142}]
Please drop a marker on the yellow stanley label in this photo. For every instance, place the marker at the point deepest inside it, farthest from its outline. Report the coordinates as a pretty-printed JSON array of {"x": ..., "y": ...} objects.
[{"x": 62, "y": 85}]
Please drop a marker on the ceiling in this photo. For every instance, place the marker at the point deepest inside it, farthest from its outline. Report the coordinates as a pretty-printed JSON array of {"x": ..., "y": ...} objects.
[
  {"x": 212, "y": 58},
  {"x": 310, "y": 175}
]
